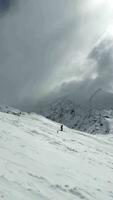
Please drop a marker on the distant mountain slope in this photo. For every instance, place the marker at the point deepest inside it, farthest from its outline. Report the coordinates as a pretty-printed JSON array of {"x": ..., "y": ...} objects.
[
  {"x": 37, "y": 163},
  {"x": 9, "y": 109},
  {"x": 83, "y": 117}
]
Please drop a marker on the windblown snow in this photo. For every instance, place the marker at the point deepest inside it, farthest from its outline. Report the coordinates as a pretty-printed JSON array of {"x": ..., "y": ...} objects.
[{"x": 37, "y": 163}]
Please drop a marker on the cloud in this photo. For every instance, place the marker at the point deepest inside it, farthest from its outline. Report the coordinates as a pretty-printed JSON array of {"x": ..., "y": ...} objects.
[
  {"x": 4, "y": 4},
  {"x": 102, "y": 54},
  {"x": 33, "y": 39},
  {"x": 44, "y": 43},
  {"x": 95, "y": 85}
]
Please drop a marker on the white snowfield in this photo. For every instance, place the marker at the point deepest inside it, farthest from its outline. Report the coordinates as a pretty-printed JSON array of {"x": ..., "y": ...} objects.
[{"x": 37, "y": 163}]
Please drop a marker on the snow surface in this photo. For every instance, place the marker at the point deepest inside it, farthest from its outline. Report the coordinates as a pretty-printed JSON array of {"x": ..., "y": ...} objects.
[{"x": 37, "y": 163}]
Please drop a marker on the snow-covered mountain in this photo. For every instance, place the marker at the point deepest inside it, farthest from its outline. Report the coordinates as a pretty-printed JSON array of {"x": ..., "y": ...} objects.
[
  {"x": 84, "y": 117},
  {"x": 36, "y": 162}
]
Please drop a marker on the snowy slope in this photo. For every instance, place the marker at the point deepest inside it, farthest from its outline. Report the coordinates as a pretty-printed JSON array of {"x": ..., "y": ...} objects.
[
  {"x": 9, "y": 109},
  {"x": 37, "y": 163}
]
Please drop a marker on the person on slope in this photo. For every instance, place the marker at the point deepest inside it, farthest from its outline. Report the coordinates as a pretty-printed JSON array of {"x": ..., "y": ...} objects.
[{"x": 61, "y": 128}]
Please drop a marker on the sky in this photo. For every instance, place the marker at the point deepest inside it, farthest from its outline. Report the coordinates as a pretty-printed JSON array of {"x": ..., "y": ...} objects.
[{"x": 44, "y": 44}]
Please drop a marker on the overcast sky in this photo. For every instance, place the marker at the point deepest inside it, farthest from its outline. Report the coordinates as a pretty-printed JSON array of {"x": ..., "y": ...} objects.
[{"x": 44, "y": 43}]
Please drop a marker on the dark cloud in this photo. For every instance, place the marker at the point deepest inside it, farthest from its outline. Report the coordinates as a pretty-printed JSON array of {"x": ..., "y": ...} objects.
[{"x": 6, "y": 5}]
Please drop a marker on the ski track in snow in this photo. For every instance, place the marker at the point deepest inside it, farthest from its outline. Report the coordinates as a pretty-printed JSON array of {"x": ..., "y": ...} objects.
[{"x": 37, "y": 163}]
